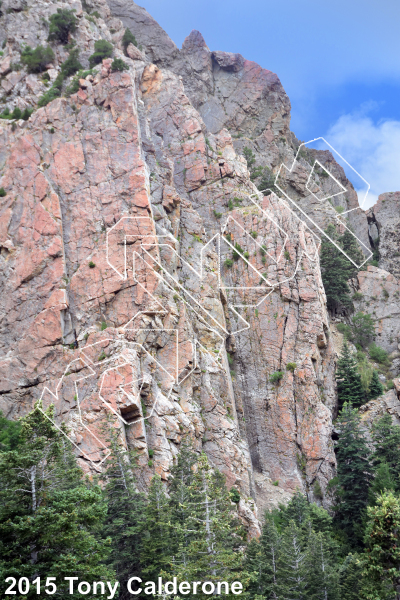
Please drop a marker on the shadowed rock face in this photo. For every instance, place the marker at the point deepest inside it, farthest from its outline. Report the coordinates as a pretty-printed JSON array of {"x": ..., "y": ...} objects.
[
  {"x": 376, "y": 409},
  {"x": 160, "y": 49},
  {"x": 139, "y": 171},
  {"x": 380, "y": 297},
  {"x": 384, "y": 229}
]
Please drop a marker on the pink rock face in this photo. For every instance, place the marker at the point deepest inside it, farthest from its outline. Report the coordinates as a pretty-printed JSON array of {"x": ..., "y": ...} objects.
[
  {"x": 134, "y": 53},
  {"x": 34, "y": 84},
  {"x": 116, "y": 297},
  {"x": 288, "y": 422},
  {"x": 65, "y": 192},
  {"x": 5, "y": 66}
]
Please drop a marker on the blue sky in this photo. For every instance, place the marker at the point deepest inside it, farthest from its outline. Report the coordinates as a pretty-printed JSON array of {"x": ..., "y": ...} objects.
[{"x": 339, "y": 62}]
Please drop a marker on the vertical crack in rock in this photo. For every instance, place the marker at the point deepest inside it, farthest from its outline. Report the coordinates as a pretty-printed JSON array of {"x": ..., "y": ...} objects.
[{"x": 162, "y": 146}]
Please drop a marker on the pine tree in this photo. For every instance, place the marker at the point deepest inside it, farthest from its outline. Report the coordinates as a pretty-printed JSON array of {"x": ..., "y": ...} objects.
[
  {"x": 125, "y": 519},
  {"x": 48, "y": 513},
  {"x": 383, "y": 482},
  {"x": 335, "y": 272},
  {"x": 336, "y": 269},
  {"x": 157, "y": 550},
  {"x": 375, "y": 387},
  {"x": 382, "y": 543},
  {"x": 366, "y": 371},
  {"x": 297, "y": 510},
  {"x": 322, "y": 574},
  {"x": 292, "y": 569},
  {"x": 386, "y": 439},
  {"x": 211, "y": 551},
  {"x": 314, "y": 525},
  {"x": 296, "y": 556},
  {"x": 254, "y": 565},
  {"x": 350, "y": 245},
  {"x": 348, "y": 379},
  {"x": 350, "y": 577},
  {"x": 363, "y": 329},
  {"x": 270, "y": 542},
  {"x": 354, "y": 474},
  {"x": 128, "y": 38},
  {"x": 261, "y": 561},
  {"x": 182, "y": 474},
  {"x": 9, "y": 433},
  {"x": 302, "y": 512}
]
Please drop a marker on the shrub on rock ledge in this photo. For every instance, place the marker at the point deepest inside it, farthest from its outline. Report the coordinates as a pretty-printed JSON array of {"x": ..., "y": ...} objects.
[
  {"x": 37, "y": 59},
  {"x": 128, "y": 38},
  {"x": 119, "y": 65},
  {"x": 62, "y": 23},
  {"x": 378, "y": 354},
  {"x": 276, "y": 377},
  {"x": 102, "y": 49},
  {"x": 72, "y": 64}
]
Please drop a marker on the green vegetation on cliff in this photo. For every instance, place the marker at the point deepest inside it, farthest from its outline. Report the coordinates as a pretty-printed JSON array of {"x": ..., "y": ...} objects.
[{"x": 54, "y": 520}]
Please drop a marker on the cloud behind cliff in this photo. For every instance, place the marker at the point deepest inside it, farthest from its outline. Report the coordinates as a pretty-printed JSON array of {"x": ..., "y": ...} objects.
[{"x": 371, "y": 147}]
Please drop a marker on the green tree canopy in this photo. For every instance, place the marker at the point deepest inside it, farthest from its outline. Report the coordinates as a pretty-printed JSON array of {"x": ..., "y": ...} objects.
[
  {"x": 363, "y": 329},
  {"x": 321, "y": 568},
  {"x": 127, "y": 39},
  {"x": 382, "y": 549},
  {"x": 336, "y": 269},
  {"x": 157, "y": 550},
  {"x": 261, "y": 561},
  {"x": 350, "y": 577},
  {"x": 349, "y": 385},
  {"x": 48, "y": 512},
  {"x": 9, "y": 433},
  {"x": 125, "y": 520},
  {"x": 375, "y": 387},
  {"x": 71, "y": 65},
  {"x": 296, "y": 556},
  {"x": 386, "y": 438},
  {"x": 292, "y": 565},
  {"x": 351, "y": 246},
  {"x": 208, "y": 532},
  {"x": 354, "y": 474}
]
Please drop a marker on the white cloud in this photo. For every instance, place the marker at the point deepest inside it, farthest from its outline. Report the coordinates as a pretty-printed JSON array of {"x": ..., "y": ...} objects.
[{"x": 373, "y": 149}]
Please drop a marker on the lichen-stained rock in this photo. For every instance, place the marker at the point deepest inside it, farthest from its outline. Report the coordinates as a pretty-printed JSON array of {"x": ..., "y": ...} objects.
[
  {"x": 287, "y": 422},
  {"x": 77, "y": 188},
  {"x": 120, "y": 283},
  {"x": 69, "y": 175},
  {"x": 289, "y": 430}
]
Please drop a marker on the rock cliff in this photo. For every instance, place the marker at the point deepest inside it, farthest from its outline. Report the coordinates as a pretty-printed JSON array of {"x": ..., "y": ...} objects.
[
  {"x": 144, "y": 276},
  {"x": 384, "y": 228}
]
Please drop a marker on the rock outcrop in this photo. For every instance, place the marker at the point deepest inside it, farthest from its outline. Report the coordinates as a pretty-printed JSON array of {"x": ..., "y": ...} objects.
[
  {"x": 145, "y": 277},
  {"x": 389, "y": 403},
  {"x": 384, "y": 231},
  {"x": 378, "y": 294}
]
